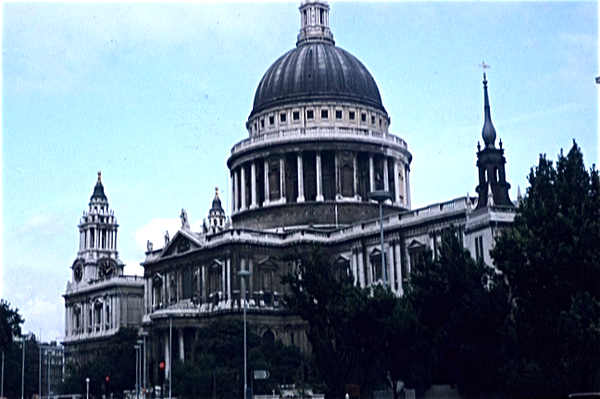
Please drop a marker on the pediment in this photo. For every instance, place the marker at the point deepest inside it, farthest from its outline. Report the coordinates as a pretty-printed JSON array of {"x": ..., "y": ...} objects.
[
  {"x": 182, "y": 242},
  {"x": 414, "y": 244}
]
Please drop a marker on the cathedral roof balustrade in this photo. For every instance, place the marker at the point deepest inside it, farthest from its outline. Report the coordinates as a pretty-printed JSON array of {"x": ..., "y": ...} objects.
[{"x": 321, "y": 133}]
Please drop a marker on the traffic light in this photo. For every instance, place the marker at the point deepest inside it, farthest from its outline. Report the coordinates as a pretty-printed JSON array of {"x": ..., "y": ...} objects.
[
  {"x": 161, "y": 372},
  {"x": 107, "y": 381}
]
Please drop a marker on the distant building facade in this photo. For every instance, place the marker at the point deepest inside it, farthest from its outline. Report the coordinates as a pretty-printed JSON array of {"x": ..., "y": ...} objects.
[
  {"x": 99, "y": 298},
  {"x": 319, "y": 143}
]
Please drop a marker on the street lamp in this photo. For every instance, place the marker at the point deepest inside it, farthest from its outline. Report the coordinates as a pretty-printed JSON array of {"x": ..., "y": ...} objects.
[
  {"x": 144, "y": 334},
  {"x": 87, "y": 387},
  {"x": 243, "y": 274},
  {"x": 381, "y": 196},
  {"x": 142, "y": 365},
  {"x": 137, "y": 371}
]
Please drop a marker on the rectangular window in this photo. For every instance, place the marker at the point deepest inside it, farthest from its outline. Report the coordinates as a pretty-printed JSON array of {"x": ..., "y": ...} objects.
[
  {"x": 262, "y": 123},
  {"x": 296, "y": 115},
  {"x": 351, "y": 115},
  {"x": 282, "y": 117},
  {"x": 372, "y": 119},
  {"x": 324, "y": 114},
  {"x": 363, "y": 117},
  {"x": 271, "y": 120},
  {"x": 338, "y": 114},
  {"x": 380, "y": 122},
  {"x": 310, "y": 114}
]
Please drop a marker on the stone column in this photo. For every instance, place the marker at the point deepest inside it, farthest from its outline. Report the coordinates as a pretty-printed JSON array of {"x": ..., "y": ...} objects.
[
  {"x": 228, "y": 264},
  {"x": 398, "y": 260},
  {"x": 386, "y": 181},
  {"x": 232, "y": 185},
  {"x": 167, "y": 353},
  {"x": 267, "y": 190},
  {"x": 407, "y": 182},
  {"x": 355, "y": 265},
  {"x": 235, "y": 191},
  {"x": 243, "y": 187},
  {"x": 361, "y": 268},
  {"x": 319, "y": 178},
  {"x": 181, "y": 345},
  {"x": 355, "y": 167},
  {"x": 338, "y": 182},
  {"x": 282, "y": 179},
  {"x": 300, "y": 179},
  {"x": 396, "y": 183},
  {"x": 389, "y": 264},
  {"x": 371, "y": 174},
  {"x": 253, "y": 184}
]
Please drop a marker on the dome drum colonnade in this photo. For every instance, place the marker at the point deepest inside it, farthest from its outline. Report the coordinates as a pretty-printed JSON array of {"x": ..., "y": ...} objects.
[{"x": 318, "y": 133}]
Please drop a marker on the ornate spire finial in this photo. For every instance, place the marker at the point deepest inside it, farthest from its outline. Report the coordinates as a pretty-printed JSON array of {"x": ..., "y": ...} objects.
[
  {"x": 216, "y": 191},
  {"x": 99, "y": 176},
  {"x": 488, "y": 132}
]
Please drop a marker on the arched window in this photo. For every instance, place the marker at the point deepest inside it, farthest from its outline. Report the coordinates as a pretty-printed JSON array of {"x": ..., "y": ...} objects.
[{"x": 375, "y": 259}]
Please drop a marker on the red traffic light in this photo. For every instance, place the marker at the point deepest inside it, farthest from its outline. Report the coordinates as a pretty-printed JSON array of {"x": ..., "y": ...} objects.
[
  {"x": 161, "y": 365},
  {"x": 108, "y": 378}
]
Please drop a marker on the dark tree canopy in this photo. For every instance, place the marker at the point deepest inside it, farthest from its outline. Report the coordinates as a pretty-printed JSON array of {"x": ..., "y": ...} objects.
[
  {"x": 10, "y": 324},
  {"x": 550, "y": 261}
]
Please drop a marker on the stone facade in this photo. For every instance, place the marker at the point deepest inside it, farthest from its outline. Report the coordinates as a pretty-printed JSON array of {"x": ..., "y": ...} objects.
[{"x": 319, "y": 143}]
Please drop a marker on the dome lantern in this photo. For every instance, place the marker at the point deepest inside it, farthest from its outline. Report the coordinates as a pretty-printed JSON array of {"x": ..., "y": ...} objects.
[{"x": 314, "y": 16}]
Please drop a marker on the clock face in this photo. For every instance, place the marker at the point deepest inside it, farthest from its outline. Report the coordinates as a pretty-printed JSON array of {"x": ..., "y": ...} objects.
[
  {"x": 78, "y": 271},
  {"x": 106, "y": 268}
]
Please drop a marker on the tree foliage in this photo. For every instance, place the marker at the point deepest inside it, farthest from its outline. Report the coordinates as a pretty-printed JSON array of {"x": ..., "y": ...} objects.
[
  {"x": 10, "y": 324},
  {"x": 461, "y": 314},
  {"x": 550, "y": 262},
  {"x": 216, "y": 369},
  {"x": 117, "y": 361}
]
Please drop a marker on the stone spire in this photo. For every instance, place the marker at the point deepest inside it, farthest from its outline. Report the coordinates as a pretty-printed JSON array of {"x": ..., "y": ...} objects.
[
  {"x": 488, "y": 132},
  {"x": 314, "y": 16}
]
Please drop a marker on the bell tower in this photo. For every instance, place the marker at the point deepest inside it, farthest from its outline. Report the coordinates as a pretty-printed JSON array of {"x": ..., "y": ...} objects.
[
  {"x": 493, "y": 187},
  {"x": 97, "y": 257}
]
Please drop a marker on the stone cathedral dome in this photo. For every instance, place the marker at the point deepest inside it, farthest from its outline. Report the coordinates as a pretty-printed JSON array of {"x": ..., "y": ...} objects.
[{"x": 316, "y": 71}]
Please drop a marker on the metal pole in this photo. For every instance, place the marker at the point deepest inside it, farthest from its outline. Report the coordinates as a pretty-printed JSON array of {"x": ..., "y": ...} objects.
[
  {"x": 2, "y": 389},
  {"x": 49, "y": 357},
  {"x": 87, "y": 385},
  {"x": 137, "y": 371},
  {"x": 243, "y": 274},
  {"x": 40, "y": 373},
  {"x": 145, "y": 379},
  {"x": 245, "y": 348},
  {"x": 23, "y": 373},
  {"x": 170, "y": 353}
]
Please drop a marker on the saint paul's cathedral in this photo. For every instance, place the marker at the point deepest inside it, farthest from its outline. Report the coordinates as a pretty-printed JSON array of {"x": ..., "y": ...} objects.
[{"x": 319, "y": 144}]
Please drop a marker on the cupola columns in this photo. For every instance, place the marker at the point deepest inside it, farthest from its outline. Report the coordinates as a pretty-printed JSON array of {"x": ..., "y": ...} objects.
[{"x": 314, "y": 16}]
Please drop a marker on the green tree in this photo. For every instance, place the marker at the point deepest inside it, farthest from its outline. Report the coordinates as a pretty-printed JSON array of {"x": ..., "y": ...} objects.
[
  {"x": 338, "y": 322},
  {"x": 117, "y": 361},
  {"x": 10, "y": 324},
  {"x": 550, "y": 261},
  {"x": 461, "y": 314}
]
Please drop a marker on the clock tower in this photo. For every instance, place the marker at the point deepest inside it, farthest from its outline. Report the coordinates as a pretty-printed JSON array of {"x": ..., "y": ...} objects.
[
  {"x": 97, "y": 258},
  {"x": 100, "y": 299}
]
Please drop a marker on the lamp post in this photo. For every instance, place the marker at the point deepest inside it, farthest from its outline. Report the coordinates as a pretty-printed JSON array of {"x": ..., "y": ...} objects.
[
  {"x": 87, "y": 387},
  {"x": 49, "y": 357},
  {"x": 243, "y": 274},
  {"x": 23, "y": 340},
  {"x": 381, "y": 196},
  {"x": 140, "y": 344},
  {"x": 137, "y": 371},
  {"x": 144, "y": 334}
]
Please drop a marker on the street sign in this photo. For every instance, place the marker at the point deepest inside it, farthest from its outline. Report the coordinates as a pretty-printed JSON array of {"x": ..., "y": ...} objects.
[{"x": 261, "y": 374}]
